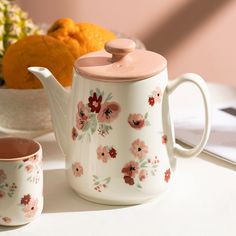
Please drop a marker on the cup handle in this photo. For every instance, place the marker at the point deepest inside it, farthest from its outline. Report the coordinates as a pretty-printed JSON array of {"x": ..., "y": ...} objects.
[{"x": 178, "y": 150}]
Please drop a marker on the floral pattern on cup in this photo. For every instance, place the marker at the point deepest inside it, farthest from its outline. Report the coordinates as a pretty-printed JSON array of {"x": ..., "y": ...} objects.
[
  {"x": 138, "y": 121},
  {"x": 77, "y": 169},
  {"x": 100, "y": 183},
  {"x": 105, "y": 153},
  {"x": 138, "y": 170},
  {"x": 96, "y": 115},
  {"x": 6, "y": 189},
  {"x": 155, "y": 97},
  {"x": 167, "y": 175},
  {"x": 32, "y": 166},
  {"x": 6, "y": 220},
  {"x": 29, "y": 205}
]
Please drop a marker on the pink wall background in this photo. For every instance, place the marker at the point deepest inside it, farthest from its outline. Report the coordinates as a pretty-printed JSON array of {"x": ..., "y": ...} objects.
[{"x": 194, "y": 36}]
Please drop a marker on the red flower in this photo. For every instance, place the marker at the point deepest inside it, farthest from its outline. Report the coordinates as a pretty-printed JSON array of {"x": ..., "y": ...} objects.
[
  {"x": 113, "y": 153},
  {"x": 167, "y": 175},
  {"x": 26, "y": 199},
  {"x": 151, "y": 101},
  {"x": 164, "y": 139},
  {"x": 74, "y": 133},
  {"x": 129, "y": 180},
  {"x": 95, "y": 103},
  {"x": 131, "y": 169}
]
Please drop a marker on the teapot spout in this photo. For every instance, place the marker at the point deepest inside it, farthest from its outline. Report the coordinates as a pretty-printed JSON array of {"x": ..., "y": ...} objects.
[{"x": 59, "y": 100}]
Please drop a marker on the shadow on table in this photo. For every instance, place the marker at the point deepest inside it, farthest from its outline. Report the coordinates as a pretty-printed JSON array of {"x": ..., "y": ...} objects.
[{"x": 60, "y": 197}]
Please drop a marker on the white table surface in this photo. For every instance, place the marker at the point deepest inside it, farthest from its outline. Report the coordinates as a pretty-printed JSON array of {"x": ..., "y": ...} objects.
[{"x": 201, "y": 201}]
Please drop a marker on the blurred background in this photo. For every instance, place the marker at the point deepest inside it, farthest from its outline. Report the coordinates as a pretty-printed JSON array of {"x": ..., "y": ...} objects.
[{"x": 194, "y": 36}]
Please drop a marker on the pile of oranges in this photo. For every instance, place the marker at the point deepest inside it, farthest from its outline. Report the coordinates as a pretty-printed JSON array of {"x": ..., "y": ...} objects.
[{"x": 65, "y": 41}]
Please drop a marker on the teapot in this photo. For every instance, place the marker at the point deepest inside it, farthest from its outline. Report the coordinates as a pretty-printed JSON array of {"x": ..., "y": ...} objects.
[{"x": 114, "y": 126}]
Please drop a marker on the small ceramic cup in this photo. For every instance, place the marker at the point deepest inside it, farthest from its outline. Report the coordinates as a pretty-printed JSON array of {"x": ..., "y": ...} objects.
[{"x": 21, "y": 181}]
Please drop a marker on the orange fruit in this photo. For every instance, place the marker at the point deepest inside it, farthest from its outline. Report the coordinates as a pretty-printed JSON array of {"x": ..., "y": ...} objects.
[
  {"x": 37, "y": 50},
  {"x": 80, "y": 38}
]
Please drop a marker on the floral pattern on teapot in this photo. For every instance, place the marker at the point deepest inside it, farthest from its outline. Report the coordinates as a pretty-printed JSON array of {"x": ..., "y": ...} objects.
[
  {"x": 100, "y": 183},
  {"x": 96, "y": 115},
  {"x": 155, "y": 97},
  {"x": 138, "y": 170},
  {"x": 105, "y": 153},
  {"x": 138, "y": 121}
]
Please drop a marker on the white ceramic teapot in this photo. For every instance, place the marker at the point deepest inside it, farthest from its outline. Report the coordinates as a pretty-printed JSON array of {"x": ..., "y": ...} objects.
[{"x": 114, "y": 126}]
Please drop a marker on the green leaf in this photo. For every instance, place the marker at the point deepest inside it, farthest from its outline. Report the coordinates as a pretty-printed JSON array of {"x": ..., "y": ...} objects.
[
  {"x": 147, "y": 123},
  {"x": 108, "y": 179},
  {"x": 86, "y": 126},
  {"x": 143, "y": 165},
  {"x": 98, "y": 92},
  {"x": 96, "y": 183},
  {"x": 20, "y": 166},
  {"x": 139, "y": 185},
  {"x": 95, "y": 177},
  {"x": 93, "y": 124},
  {"x": 91, "y": 92},
  {"x": 146, "y": 115},
  {"x": 109, "y": 97}
]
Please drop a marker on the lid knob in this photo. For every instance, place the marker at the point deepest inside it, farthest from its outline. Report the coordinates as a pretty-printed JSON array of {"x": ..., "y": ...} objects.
[{"x": 119, "y": 48}]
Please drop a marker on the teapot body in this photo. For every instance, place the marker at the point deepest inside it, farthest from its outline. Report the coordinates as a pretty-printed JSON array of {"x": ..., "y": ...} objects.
[{"x": 119, "y": 151}]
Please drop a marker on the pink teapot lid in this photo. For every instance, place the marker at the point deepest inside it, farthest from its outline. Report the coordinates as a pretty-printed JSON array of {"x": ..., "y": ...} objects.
[{"x": 119, "y": 62}]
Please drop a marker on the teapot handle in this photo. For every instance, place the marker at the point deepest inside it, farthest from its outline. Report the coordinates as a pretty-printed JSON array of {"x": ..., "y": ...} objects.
[{"x": 178, "y": 150}]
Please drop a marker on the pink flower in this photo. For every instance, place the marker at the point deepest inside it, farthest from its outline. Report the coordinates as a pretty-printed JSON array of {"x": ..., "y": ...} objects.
[
  {"x": 131, "y": 169},
  {"x": 2, "y": 194},
  {"x": 81, "y": 116},
  {"x": 6, "y": 219},
  {"x": 31, "y": 208},
  {"x": 164, "y": 139},
  {"x": 3, "y": 176},
  {"x": 167, "y": 175},
  {"x": 103, "y": 153},
  {"x": 139, "y": 148},
  {"x": 29, "y": 168},
  {"x": 80, "y": 123},
  {"x": 109, "y": 112},
  {"x": 77, "y": 169},
  {"x": 151, "y": 101},
  {"x": 136, "y": 121},
  {"x": 74, "y": 133},
  {"x": 82, "y": 111},
  {"x": 142, "y": 175},
  {"x": 95, "y": 103},
  {"x": 157, "y": 94}
]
